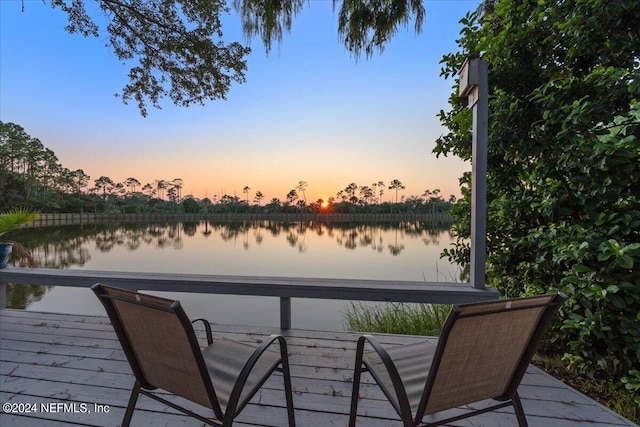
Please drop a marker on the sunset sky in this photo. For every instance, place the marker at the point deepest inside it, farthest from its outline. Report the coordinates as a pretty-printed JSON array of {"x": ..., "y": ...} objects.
[{"x": 308, "y": 111}]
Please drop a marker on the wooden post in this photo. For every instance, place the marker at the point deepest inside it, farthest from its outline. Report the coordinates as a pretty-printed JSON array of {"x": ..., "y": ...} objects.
[
  {"x": 285, "y": 313},
  {"x": 3, "y": 295},
  {"x": 474, "y": 86}
]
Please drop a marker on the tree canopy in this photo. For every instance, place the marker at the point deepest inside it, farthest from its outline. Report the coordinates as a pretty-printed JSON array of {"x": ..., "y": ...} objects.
[
  {"x": 563, "y": 166},
  {"x": 177, "y": 46}
]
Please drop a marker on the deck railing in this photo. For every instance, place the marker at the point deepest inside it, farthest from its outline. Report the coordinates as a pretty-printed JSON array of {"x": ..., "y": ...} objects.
[{"x": 283, "y": 287}]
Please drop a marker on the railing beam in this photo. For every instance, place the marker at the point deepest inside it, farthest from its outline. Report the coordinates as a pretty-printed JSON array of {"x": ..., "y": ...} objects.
[{"x": 283, "y": 287}]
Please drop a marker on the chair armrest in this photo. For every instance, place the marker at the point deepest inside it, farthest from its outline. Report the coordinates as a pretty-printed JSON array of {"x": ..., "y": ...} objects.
[
  {"x": 248, "y": 366},
  {"x": 207, "y": 328},
  {"x": 398, "y": 386}
]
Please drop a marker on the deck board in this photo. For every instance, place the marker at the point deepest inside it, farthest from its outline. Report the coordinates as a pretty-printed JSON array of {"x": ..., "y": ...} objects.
[{"x": 52, "y": 358}]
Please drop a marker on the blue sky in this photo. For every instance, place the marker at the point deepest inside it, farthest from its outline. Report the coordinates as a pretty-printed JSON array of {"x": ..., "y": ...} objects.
[{"x": 308, "y": 111}]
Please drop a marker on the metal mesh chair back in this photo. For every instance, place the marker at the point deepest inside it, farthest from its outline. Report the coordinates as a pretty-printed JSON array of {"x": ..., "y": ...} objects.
[
  {"x": 484, "y": 349},
  {"x": 483, "y": 352},
  {"x": 160, "y": 344}
]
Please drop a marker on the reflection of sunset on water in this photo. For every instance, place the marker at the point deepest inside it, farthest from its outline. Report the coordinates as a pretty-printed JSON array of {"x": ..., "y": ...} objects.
[{"x": 403, "y": 250}]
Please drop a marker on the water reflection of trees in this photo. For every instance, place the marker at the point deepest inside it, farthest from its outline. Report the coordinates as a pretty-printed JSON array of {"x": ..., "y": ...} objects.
[
  {"x": 21, "y": 296},
  {"x": 350, "y": 235},
  {"x": 67, "y": 246},
  {"x": 56, "y": 247},
  {"x": 361, "y": 235}
]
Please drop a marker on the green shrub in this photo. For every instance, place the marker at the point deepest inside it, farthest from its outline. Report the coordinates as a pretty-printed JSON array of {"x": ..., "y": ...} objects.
[{"x": 563, "y": 175}]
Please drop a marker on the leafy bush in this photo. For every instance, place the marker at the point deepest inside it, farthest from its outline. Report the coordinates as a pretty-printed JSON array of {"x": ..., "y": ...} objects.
[
  {"x": 563, "y": 168},
  {"x": 598, "y": 251}
]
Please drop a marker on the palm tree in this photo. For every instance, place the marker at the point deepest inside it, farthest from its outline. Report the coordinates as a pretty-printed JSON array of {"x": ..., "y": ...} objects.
[
  {"x": 259, "y": 197},
  {"x": 12, "y": 220},
  {"x": 435, "y": 200},
  {"x": 245, "y": 190},
  {"x": 149, "y": 190},
  {"x": 172, "y": 194},
  {"x": 274, "y": 205},
  {"x": 396, "y": 185},
  {"x": 381, "y": 186},
  {"x": 177, "y": 184},
  {"x": 366, "y": 193},
  {"x": 351, "y": 192},
  {"x": 105, "y": 184},
  {"x": 292, "y": 196},
  {"x": 161, "y": 184},
  {"x": 302, "y": 185},
  {"x": 119, "y": 189},
  {"x": 132, "y": 183}
]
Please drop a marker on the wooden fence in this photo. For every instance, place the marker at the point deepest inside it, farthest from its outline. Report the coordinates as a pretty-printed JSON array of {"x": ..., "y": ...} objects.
[{"x": 53, "y": 219}]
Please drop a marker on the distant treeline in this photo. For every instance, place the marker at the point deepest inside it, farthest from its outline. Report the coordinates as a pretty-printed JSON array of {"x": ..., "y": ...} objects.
[{"x": 32, "y": 177}]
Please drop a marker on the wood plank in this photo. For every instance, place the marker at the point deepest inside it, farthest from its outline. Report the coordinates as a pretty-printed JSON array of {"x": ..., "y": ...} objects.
[
  {"x": 56, "y": 320},
  {"x": 124, "y": 380},
  {"x": 85, "y": 372},
  {"x": 50, "y": 391},
  {"x": 63, "y": 358}
]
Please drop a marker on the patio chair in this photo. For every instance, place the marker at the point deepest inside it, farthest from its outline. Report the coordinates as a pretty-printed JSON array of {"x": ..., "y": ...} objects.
[
  {"x": 163, "y": 351},
  {"x": 482, "y": 353}
]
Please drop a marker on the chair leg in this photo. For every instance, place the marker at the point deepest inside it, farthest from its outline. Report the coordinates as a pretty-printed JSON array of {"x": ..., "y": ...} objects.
[
  {"x": 355, "y": 391},
  {"x": 286, "y": 374},
  {"x": 132, "y": 404},
  {"x": 517, "y": 406}
]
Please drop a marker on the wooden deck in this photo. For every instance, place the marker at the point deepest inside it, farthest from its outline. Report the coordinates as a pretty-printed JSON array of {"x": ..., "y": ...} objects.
[{"x": 54, "y": 359}]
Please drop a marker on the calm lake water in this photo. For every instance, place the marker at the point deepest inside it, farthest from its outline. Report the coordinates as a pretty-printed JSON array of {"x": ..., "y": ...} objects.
[{"x": 398, "y": 250}]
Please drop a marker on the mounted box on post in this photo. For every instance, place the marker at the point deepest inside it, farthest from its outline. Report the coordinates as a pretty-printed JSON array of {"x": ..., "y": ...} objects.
[{"x": 469, "y": 80}]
